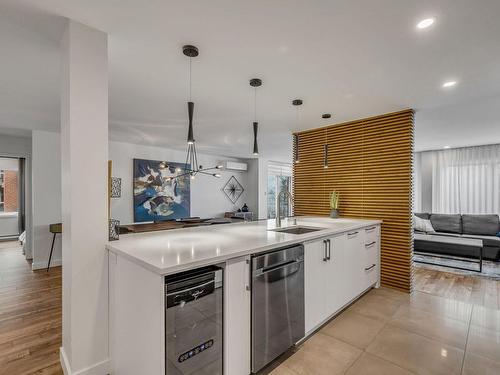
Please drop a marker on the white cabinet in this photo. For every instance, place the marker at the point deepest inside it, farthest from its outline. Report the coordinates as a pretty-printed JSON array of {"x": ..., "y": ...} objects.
[
  {"x": 315, "y": 283},
  {"x": 324, "y": 275},
  {"x": 237, "y": 316},
  {"x": 335, "y": 298},
  {"x": 337, "y": 270}
]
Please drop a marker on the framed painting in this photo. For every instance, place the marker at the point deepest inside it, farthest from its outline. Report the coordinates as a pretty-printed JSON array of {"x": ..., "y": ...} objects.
[{"x": 156, "y": 196}]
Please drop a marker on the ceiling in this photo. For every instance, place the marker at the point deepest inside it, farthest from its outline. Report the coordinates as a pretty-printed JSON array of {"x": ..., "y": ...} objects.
[{"x": 350, "y": 58}]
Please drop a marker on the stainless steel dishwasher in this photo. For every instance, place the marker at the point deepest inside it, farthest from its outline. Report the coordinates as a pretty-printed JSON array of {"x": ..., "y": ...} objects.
[{"x": 277, "y": 303}]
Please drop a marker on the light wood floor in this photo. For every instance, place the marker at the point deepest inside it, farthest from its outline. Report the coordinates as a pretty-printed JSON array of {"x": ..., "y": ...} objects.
[
  {"x": 30, "y": 315},
  {"x": 475, "y": 290}
]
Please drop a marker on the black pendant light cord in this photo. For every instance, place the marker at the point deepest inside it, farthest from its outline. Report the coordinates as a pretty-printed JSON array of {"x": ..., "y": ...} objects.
[
  {"x": 190, "y": 80},
  {"x": 255, "y": 104}
]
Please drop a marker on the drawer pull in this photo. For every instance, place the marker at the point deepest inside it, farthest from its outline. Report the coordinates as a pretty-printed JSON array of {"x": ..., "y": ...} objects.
[
  {"x": 370, "y": 229},
  {"x": 352, "y": 233},
  {"x": 369, "y": 268},
  {"x": 370, "y": 244}
]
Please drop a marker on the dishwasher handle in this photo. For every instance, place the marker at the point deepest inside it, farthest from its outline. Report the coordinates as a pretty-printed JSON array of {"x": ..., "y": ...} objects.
[{"x": 262, "y": 271}]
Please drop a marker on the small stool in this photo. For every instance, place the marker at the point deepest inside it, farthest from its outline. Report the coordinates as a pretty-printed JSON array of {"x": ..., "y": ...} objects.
[{"x": 53, "y": 228}]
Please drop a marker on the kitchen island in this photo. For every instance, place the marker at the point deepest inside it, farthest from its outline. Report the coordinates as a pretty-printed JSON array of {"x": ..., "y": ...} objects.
[{"x": 341, "y": 261}]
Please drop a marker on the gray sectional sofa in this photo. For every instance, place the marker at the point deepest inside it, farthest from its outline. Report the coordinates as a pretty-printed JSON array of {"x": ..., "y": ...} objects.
[{"x": 484, "y": 227}]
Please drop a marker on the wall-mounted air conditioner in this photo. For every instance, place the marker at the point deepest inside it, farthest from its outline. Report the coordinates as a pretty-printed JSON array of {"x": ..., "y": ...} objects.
[{"x": 235, "y": 166}]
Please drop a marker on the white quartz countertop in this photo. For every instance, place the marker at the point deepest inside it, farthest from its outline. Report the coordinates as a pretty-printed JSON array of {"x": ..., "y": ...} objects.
[{"x": 170, "y": 251}]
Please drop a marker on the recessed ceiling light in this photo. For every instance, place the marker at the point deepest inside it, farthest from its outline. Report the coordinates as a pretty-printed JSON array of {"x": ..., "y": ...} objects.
[
  {"x": 447, "y": 147},
  {"x": 449, "y": 84},
  {"x": 425, "y": 23}
]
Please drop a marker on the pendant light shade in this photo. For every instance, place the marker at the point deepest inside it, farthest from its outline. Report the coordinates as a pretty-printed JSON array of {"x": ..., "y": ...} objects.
[
  {"x": 325, "y": 160},
  {"x": 296, "y": 142},
  {"x": 297, "y": 103},
  {"x": 190, "y": 139},
  {"x": 255, "y": 145}
]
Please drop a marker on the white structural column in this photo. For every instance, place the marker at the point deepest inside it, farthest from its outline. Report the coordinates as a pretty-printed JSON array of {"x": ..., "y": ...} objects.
[{"x": 84, "y": 155}]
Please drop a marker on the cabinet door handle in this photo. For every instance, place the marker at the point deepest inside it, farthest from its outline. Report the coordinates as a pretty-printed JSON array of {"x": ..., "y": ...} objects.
[
  {"x": 370, "y": 244},
  {"x": 329, "y": 249},
  {"x": 325, "y": 256},
  {"x": 369, "y": 268},
  {"x": 352, "y": 233},
  {"x": 370, "y": 229}
]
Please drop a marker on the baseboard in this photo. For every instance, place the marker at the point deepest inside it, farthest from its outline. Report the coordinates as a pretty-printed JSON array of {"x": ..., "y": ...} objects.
[
  {"x": 41, "y": 265},
  {"x": 9, "y": 238},
  {"x": 101, "y": 368}
]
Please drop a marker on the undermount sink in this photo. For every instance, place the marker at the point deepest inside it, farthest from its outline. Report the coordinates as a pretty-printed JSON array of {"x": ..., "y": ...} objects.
[{"x": 297, "y": 230}]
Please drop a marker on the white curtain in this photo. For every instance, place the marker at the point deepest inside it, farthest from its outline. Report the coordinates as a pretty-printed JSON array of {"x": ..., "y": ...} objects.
[
  {"x": 417, "y": 182},
  {"x": 466, "y": 180}
]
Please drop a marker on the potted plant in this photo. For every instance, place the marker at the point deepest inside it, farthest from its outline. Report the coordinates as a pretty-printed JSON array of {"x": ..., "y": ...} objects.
[{"x": 334, "y": 204}]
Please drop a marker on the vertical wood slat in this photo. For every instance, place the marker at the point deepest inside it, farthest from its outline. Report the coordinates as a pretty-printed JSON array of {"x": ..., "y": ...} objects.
[{"x": 370, "y": 164}]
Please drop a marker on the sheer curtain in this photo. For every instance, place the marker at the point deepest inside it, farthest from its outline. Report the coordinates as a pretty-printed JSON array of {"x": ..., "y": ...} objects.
[
  {"x": 417, "y": 182},
  {"x": 466, "y": 180}
]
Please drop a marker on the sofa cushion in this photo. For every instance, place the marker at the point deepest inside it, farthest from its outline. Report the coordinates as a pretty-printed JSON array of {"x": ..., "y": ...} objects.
[
  {"x": 490, "y": 241},
  {"x": 487, "y": 225},
  {"x": 447, "y": 223},
  {"x": 422, "y": 215}
]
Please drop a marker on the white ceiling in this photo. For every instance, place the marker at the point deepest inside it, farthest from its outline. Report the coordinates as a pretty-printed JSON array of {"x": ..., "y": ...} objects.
[{"x": 350, "y": 58}]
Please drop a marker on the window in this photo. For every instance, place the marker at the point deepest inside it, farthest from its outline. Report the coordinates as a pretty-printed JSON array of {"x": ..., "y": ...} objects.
[
  {"x": 279, "y": 179},
  {"x": 8, "y": 190}
]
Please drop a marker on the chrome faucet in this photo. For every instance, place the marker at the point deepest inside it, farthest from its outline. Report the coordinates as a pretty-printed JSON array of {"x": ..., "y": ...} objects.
[{"x": 289, "y": 196}]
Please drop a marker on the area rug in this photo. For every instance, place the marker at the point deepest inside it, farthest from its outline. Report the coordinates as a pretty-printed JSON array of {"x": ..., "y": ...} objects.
[{"x": 491, "y": 269}]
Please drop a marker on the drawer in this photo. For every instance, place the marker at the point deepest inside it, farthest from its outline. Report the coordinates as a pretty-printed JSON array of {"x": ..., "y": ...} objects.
[
  {"x": 371, "y": 251},
  {"x": 371, "y": 234},
  {"x": 371, "y": 274}
]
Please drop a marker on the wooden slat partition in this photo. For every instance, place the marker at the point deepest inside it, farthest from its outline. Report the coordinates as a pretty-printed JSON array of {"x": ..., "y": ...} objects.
[{"x": 370, "y": 163}]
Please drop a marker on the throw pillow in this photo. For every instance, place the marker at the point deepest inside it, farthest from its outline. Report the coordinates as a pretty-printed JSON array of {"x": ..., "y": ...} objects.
[
  {"x": 498, "y": 234},
  {"x": 422, "y": 225}
]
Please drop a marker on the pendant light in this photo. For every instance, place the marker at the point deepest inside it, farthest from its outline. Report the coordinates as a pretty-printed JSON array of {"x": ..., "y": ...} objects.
[
  {"x": 325, "y": 151},
  {"x": 191, "y": 166},
  {"x": 297, "y": 103},
  {"x": 255, "y": 82}
]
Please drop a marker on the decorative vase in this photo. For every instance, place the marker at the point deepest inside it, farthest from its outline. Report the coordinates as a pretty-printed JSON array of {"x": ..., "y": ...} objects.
[{"x": 334, "y": 214}]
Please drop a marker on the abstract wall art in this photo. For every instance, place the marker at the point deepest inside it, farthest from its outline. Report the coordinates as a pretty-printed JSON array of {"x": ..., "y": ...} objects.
[
  {"x": 233, "y": 189},
  {"x": 157, "y": 196}
]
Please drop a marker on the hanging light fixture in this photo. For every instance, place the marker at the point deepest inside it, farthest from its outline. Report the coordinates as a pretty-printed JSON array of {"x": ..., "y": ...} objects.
[
  {"x": 255, "y": 82},
  {"x": 297, "y": 103},
  {"x": 191, "y": 166}
]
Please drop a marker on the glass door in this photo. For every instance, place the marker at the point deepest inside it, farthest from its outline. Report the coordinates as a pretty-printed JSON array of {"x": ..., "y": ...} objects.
[{"x": 279, "y": 179}]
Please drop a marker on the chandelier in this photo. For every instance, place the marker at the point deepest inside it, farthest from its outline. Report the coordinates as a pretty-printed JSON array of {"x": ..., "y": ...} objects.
[{"x": 191, "y": 167}]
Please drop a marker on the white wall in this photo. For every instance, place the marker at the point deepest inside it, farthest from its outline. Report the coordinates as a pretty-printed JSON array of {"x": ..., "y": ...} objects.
[
  {"x": 15, "y": 146},
  {"x": 21, "y": 147},
  {"x": 207, "y": 197},
  {"x": 46, "y": 183}
]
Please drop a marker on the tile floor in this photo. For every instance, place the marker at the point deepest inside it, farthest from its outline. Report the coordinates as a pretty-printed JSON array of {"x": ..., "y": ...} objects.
[{"x": 388, "y": 332}]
